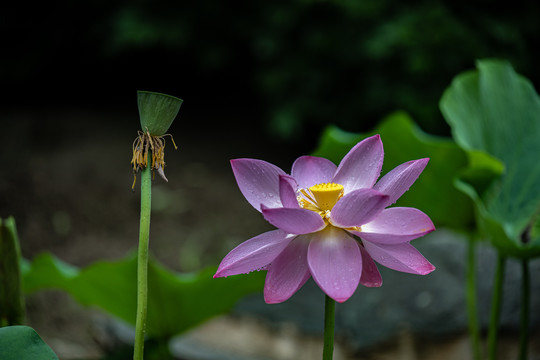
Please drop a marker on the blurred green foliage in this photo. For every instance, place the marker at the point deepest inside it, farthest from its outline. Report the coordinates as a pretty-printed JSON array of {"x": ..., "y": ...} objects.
[
  {"x": 292, "y": 66},
  {"x": 496, "y": 111},
  {"x": 434, "y": 191},
  {"x": 494, "y": 114},
  {"x": 176, "y": 302}
]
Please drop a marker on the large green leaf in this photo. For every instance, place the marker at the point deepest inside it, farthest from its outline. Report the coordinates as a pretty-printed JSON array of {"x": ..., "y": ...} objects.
[
  {"x": 23, "y": 343},
  {"x": 434, "y": 192},
  {"x": 176, "y": 302},
  {"x": 497, "y": 111}
]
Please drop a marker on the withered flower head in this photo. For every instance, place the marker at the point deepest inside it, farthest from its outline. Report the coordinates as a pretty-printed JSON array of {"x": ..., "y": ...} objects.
[{"x": 156, "y": 145}]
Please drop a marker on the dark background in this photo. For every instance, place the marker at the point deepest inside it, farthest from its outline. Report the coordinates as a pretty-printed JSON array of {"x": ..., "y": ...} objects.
[{"x": 287, "y": 67}]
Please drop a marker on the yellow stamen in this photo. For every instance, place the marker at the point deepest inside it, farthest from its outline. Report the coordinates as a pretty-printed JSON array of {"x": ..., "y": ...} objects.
[
  {"x": 307, "y": 195},
  {"x": 326, "y": 195}
]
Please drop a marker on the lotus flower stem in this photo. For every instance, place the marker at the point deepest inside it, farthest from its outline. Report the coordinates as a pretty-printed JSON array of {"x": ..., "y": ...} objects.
[
  {"x": 496, "y": 302},
  {"x": 525, "y": 309},
  {"x": 472, "y": 300},
  {"x": 142, "y": 265},
  {"x": 332, "y": 224},
  {"x": 329, "y": 319}
]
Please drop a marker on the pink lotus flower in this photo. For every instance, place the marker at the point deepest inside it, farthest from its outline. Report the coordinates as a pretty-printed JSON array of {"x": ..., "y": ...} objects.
[{"x": 332, "y": 223}]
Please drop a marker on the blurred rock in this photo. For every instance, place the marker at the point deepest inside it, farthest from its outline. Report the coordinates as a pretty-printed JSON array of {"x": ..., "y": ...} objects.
[{"x": 431, "y": 305}]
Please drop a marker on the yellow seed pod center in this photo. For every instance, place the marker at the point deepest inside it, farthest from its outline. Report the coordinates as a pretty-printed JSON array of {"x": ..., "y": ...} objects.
[{"x": 326, "y": 195}]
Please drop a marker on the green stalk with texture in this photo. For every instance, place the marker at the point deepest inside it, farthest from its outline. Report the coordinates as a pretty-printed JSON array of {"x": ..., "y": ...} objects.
[
  {"x": 156, "y": 112},
  {"x": 525, "y": 309},
  {"x": 472, "y": 302},
  {"x": 496, "y": 304},
  {"x": 12, "y": 309},
  {"x": 142, "y": 265},
  {"x": 329, "y": 321}
]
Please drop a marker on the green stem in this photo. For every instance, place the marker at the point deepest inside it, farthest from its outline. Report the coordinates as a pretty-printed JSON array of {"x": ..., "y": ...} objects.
[
  {"x": 142, "y": 264},
  {"x": 472, "y": 301},
  {"x": 329, "y": 315},
  {"x": 496, "y": 301},
  {"x": 525, "y": 308},
  {"x": 12, "y": 309}
]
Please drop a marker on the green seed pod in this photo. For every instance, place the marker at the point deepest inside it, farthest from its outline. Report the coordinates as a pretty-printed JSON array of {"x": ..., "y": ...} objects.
[{"x": 157, "y": 111}]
